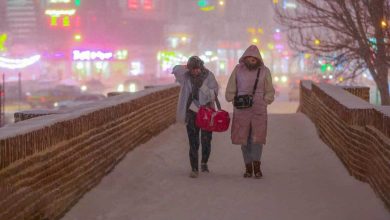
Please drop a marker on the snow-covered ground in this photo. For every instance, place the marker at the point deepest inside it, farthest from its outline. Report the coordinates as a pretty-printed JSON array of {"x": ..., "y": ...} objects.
[{"x": 303, "y": 180}]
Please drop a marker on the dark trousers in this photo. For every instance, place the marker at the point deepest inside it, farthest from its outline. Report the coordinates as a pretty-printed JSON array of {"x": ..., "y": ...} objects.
[{"x": 193, "y": 137}]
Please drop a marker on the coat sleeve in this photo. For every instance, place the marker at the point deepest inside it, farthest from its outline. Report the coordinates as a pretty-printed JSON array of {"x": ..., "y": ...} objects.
[
  {"x": 269, "y": 95},
  {"x": 179, "y": 72},
  {"x": 210, "y": 89},
  {"x": 231, "y": 87},
  {"x": 214, "y": 85}
]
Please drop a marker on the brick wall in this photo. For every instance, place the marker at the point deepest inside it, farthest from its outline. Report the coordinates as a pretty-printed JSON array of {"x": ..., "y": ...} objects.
[
  {"x": 358, "y": 132},
  {"x": 47, "y": 163},
  {"x": 28, "y": 114},
  {"x": 359, "y": 91}
]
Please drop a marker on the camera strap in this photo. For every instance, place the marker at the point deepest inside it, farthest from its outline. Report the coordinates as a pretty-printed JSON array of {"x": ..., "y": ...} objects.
[
  {"x": 255, "y": 86},
  {"x": 257, "y": 80}
]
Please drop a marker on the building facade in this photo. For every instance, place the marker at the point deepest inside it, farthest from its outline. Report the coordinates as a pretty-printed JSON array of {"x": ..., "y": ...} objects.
[{"x": 22, "y": 20}]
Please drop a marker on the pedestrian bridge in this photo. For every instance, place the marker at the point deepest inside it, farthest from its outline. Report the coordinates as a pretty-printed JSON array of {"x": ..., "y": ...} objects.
[{"x": 126, "y": 158}]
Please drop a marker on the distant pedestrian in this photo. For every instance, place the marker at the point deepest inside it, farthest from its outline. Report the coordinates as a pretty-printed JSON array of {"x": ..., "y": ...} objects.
[
  {"x": 250, "y": 79},
  {"x": 198, "y": 87}
]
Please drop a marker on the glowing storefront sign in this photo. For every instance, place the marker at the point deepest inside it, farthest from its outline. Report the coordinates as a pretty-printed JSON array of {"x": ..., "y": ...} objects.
[
  {"x": 121, "y": 54},
  {"x": 59, "y": 1},
  {"x": 60, "y": 12},
  {"x": 208, "y": 8},
  {"x": 18, "y": 63},
  {"x": 91, "y": 55},
  {"x": 168, "y": 59},
  {"x": 204, "y": 5},
  {"x": 3, "y": 39},
  {"x": 135, "y": 68}
]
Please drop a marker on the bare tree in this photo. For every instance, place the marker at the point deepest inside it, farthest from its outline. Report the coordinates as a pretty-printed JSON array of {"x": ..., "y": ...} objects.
[{"x": 353, "y": 33}]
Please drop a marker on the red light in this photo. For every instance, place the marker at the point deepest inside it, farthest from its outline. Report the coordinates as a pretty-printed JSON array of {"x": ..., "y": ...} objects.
[
  {"x": 77, "y": 21},
  {"x": 148, "y": 4},
  {"x": 132, "y": 4}
]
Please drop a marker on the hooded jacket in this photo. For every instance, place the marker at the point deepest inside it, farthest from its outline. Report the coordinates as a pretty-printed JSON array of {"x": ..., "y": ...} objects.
[{"x": 241, "y": 82}]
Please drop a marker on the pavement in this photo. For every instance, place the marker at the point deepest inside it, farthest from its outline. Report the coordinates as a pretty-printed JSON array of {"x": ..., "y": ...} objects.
[{"x": 303, "y": 180}]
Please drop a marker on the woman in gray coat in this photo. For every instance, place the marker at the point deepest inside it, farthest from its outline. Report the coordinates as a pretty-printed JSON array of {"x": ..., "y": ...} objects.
[{"x": 198, "y": 87}]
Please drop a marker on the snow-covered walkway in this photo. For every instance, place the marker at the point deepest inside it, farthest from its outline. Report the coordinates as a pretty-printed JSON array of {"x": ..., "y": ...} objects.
[{"x": 303, "y": 179}]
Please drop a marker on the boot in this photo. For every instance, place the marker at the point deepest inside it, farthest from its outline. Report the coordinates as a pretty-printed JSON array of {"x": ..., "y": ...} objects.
[
  {"x": 257, "y": 170},
  {"x": 204, "y": 167},
  {"x": 248, "y": 170},
  {"x": 194, "y": 173}
]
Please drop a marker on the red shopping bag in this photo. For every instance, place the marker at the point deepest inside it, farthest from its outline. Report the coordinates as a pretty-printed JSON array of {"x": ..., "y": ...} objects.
[{"x": 211, "y": 120}]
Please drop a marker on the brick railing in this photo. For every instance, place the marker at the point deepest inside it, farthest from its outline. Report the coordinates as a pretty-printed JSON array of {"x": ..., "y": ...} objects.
[
  {"x": 47, "y": 163},
  {"x": 359, "y": 91},
  {"x": 28, "y": 114},
  {"x": 358, "y": 132}
]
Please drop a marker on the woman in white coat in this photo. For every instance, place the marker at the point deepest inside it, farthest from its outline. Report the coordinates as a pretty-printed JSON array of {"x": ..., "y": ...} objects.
[{"x": 198, "y": 87}]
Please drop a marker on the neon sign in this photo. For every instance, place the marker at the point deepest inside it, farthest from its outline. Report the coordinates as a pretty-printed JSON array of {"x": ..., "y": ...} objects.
[
  {"x": 59, "y": 1},
  {"x": 61, "y": 12},
  {"x": 88, "y": 55},
  {"x": 18, "y": 63},
  {"x": 121, "y": 54},
  {"x": 204, "y": 5},
  {"x": 3, "y": 39}
]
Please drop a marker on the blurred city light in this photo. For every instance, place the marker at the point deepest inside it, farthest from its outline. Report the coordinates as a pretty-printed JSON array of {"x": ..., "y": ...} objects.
[
  {"x": 59, "y": 1},
  {"x": 121, "y": 88},
  {"x": 59, "y": 12},
  {"x": 9, "y": 63},
  {"x": 3, "y": 39},
  {"x": 77, "y": 2},
  {"x": 132, "y": 87},
  {"x": 135, "y": 68},
  {"x": 384, "y": 24},
  {"x": 77, "y": 37},
  {"x": 91, "y": 55}
]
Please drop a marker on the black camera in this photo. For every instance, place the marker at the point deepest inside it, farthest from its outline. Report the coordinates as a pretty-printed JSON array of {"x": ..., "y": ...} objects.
[{"x": 243, "y": 101}]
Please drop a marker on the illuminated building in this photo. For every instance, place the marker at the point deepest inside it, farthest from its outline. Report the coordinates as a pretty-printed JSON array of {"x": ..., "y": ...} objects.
[
  {"x": 22, "y": 20},
  {"x": 219, "y": 26},
  {"x": 2, "y": 16}
]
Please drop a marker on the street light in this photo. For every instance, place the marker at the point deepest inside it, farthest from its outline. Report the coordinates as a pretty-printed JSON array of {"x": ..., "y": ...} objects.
[
  {"x": 383, "y": 24},
  {"x": 77, "y": 37}
]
